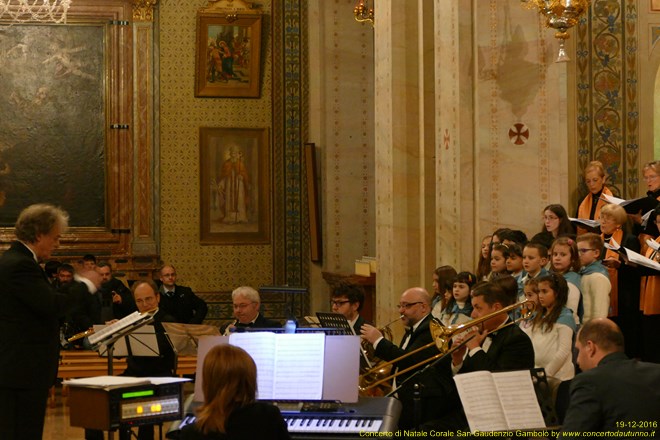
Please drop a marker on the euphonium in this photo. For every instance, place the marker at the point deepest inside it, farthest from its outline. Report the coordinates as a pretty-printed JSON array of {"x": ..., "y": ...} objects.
[
  {"x": 375, "y": 373},
  {"x": 441, "y": 339}
]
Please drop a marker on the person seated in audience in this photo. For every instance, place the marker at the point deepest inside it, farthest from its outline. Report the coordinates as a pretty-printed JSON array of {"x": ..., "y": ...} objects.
[
  {"x": 147, "y": 298},
  {"x": 535, "y": 257},
  {"x": 498, "y": 256},
  {"x": 553, "y": 328},
  {"x": 459, "y": 308},
  {"x": 347, "y": 299},
  {"x": 651, "y": 171},
  {"x": 437, "y": 390},
  {"x": 613, "y": 393},
  {"x": 50, "y": 268},
  {"x": 513, "y": 236},
  {"x": 246, "y": 302},
  {"x": 442, "y": 286},
  {"x": 595, "y": 279},
  {"x": 555, "y": 224},
  {"x": 230, "y": 409},
  {"x": 115, "y": 295},
  {"x": 625, "y": 280},
  {"x": 565, "y": 261},
  {"x": 180, "y": 301},
  {"x": 88, "y": 262},
  {"x": 590, "y": 206},
  {"x": 514, "y": 265}
]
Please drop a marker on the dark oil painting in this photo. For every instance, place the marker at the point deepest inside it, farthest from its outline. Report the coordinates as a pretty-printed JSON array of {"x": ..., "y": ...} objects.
[{"x": 52, "y": 119}]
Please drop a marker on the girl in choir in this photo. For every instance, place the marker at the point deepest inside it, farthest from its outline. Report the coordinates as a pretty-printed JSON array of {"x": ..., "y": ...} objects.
[
  {"x": 483, "y": 264},
  {"x": 594, "y": 179},
  {"x": 565, "y": 260},
  {"x": 552, "y": 329},
  {"x": 555, "y": 224},
  {"x": 230, "y": 407},
  {"x": 460, "y": 306},
  {"x": 443, "y": 278},
  {"x": 625, "y": 280},
  {"x": 531, "y": 292},
  {"x": 498, "y": 256}
]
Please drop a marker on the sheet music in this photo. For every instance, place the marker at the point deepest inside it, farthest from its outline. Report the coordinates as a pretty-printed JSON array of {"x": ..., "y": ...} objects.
[
  {"x": 299, "y": 366},
  {"x": 613, "y": 245},
  {"x": 519, "y": 402},
  {"x": 612, "y": 199},
  {"x": 107, "y": 382},
  {"x": 480, "y": 401},
  {"x": 262, "y": 347},
  {"x": 653, "y": 244},
  {"x": 143, "y": 342},
  {"x": 586, "y": 222},
  {"x": 640, "y": 259},
  {"x": 123, "y": 323},
  {"x": 499, "y": 401},
  {"x": 645, "y": 218}
]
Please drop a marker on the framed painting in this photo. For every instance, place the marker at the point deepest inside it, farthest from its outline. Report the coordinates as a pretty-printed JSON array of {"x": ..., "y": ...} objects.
[
  {"x": 234, "y": 185},
  {"x": 228, "y": 55}
]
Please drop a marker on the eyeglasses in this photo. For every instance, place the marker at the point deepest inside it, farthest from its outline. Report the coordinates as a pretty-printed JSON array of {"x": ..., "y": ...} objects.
[
  {"x": 407, "y": 306},
  {"x": 242, "y": 305},
  {"x": 339, "y": 303},
  {"x": 647, "y": 178},
  {"x": 584, "y": 251}
]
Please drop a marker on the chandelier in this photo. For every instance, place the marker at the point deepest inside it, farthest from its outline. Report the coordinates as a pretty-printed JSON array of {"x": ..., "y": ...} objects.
[
  {"x": 560, "y": 15},
  {"x": 21, "y": 11},
  {"x": 363, "y": 12}
]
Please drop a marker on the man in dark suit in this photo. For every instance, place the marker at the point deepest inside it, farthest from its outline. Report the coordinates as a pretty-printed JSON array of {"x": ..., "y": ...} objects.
[
  {"x": 29, "y": 323},
  {"x": 180, "y": 301},
  {"x": 496, "y": 345},
  {"x": 114, "y": 294},
  {"x": 437, "y": 391},
  {"x": 347, "y": 299},
  {"x": 613, "y": 393},
  {"x": 246, "y": 303}
]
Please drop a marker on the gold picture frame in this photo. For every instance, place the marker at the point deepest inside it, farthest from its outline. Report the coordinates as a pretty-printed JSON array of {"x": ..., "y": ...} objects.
[
  {"x": 228, "y": 55},
  {"x": 234, "y": 185}
]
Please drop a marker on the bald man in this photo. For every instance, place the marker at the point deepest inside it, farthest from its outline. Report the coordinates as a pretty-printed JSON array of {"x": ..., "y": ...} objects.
[
  {"x": 438, "y": 392},
  {"x": 613, "y": 393}
]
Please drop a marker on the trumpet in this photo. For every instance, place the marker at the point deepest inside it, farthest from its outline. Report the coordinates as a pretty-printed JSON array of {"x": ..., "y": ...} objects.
[{"x": 442, "y": 337}]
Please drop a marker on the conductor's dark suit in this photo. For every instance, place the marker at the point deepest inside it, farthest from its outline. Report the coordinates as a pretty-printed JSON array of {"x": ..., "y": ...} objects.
[
  {"x": 183, "y": 304},
  {"x": 438, "y": 392},
  {"x": 617, "y": 390},
  {"x": 29, "y": 342}
]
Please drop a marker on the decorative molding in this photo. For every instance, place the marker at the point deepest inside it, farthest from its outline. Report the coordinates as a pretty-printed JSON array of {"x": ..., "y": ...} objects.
[{"x": 143, "y": 10}]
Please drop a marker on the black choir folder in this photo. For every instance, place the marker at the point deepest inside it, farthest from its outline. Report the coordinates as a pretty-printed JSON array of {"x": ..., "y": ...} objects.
[{"x": 500, "y": 401}]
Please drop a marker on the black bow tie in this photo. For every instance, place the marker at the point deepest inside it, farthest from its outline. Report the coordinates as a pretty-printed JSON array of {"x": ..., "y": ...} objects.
[{"x": 240, "y": 324}]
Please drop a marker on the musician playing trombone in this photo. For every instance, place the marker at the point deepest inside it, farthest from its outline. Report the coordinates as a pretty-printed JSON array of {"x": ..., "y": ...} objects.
[{"x": 437, "y": 391}]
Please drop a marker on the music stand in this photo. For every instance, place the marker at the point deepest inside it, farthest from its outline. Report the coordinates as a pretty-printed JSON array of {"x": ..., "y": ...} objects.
[
  {"x": 110, "y": 341},
  {"x": 339, "y": 321}
]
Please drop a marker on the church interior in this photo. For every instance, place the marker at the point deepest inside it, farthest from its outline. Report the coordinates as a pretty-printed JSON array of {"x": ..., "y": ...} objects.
[{"x": 407, "y": 139}]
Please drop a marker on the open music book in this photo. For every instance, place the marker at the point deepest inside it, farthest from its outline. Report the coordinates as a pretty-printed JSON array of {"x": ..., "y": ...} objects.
[
  {"x": 593, "y": 225},
  {"x": 290, "y": 365},
  {"x": 632, "y": 206},
  {"x": 499, "y": 401}
]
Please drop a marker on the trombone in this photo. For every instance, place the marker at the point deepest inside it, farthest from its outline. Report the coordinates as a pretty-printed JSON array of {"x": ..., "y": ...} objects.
[{"x": 442, "y": 336}]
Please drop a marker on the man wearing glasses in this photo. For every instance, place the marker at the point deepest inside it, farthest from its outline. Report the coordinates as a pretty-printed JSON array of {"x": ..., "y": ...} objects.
[
  {"x": 246, "y": 303},
  {"x": 347, "y": 300},
  {"x": 436, "y": 387}
]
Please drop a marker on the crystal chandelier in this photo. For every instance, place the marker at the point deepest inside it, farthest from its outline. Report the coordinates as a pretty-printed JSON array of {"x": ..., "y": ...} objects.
[
  {"x": 21, "y": 11},
  {"x": 560, "y": 15},
  {"x": 363, "y": 12}
]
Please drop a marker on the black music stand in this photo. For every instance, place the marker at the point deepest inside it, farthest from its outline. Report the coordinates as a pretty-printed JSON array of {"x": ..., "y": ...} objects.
[
  {"x": 110, "y": 341},
  {"x": 339, "y": 321}
]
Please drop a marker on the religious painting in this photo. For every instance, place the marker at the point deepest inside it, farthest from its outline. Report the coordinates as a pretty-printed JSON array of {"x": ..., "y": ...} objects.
[
  {"x": 228, "y": 55},
  {"x": 234, "y": 185},
  {"x": 52, "y": 121}
]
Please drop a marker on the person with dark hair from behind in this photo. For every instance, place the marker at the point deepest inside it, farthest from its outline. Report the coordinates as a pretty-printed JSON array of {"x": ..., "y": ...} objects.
[
  {"x": 230, "y": 409},
  {"x": 180, "y": 301},
  {"x": 88, "y": 262},
  {"x": 613, "y": 393},
  {"x": 29, "y": 322},
  {"x": 347, "y": 299},
  {"x": 50, "y": 267},
  {"x": 513, "y": 236}
]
